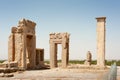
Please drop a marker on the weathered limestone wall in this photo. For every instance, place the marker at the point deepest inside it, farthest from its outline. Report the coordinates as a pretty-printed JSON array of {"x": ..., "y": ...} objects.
[
  {"x": 101, "y": 35},
  {"x": 11, "y": 48},
  {"x": 63, "y": 39},
  {"x": 22, "y": 44}
]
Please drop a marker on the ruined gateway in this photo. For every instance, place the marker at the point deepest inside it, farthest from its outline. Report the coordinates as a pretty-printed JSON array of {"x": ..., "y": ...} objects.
[
  {"x": 59, "y": 38},
  {"x": 22, "y": 46}
]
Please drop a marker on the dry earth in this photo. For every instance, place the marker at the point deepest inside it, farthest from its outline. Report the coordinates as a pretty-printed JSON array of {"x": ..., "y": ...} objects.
[{"x": 61, "y": 74}]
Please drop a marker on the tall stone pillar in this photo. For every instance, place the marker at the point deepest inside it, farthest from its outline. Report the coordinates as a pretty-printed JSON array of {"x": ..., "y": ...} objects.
[
  {"x": 24, "y": 65},
  {"x": 33, "y": 60},
  {"x": 11, "y": 48},
  {"x": 53, "y": 55},
  {"x": 64, "y": 57},
  {"x": 67, "y": 53},
  {"x": 101, "y": 34}
]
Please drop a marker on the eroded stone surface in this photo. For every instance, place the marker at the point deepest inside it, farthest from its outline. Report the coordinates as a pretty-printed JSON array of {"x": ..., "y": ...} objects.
[
  {"x": 59, "y": 38},
  {"x": 22, "y": 45},
  {"x": 89, "y": 59},
  {"x": 101, "y": 36}
]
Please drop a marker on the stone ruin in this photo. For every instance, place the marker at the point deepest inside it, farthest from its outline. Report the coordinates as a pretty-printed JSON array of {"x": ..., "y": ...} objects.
[
  {"x": 101, "y": 38},
  {"x": 23, "y": 54},
  {"x": 22, "y": 51},
  {"x": 22, "y": 46},
  {"x": 89, "y": 59},
  {"x": 63, "y": 39},
  {"x": 40, "y": 56}
]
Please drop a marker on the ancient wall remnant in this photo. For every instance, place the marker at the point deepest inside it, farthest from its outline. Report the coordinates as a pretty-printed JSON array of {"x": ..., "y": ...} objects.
[
  {"x": 59, "y": 38},
  {"x": 22, "y": 44},
  {"x": 89, "y": 58},
  {"x": 39, "y": 56},
  {"x": 101, "y": 35}
]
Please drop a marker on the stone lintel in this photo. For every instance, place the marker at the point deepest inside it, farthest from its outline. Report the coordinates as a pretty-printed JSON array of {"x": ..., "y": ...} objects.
[
  {"x": 39, "y": 48},
  {"x": 30, "y": 34},
  {"x": 59, "y": 35}
]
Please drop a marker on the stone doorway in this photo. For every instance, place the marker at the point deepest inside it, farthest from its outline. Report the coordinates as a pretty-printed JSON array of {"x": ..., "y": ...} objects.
[
  {"x": 59, "y": 54},
  {"x": 55, "y": 39}
]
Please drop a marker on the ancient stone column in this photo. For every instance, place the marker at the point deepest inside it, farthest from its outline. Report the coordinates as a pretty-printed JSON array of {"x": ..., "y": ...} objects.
[
  {"x": 64, "y": 58},
  {"x": 67, "y": 53},
  {"x": 53, "y": 56},
  {"x": 33, "y": 54},
  {"x": 101, "y": 34},
  {"x": 11, "y": 52},
  {"x": 65, "y": 50},
  {"x": 11, "y": 45},
  {"x": 23, "y": 63}
]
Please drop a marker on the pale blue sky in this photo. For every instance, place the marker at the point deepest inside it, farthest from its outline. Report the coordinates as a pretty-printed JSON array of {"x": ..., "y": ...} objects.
[{"x": 76, "y": 17}]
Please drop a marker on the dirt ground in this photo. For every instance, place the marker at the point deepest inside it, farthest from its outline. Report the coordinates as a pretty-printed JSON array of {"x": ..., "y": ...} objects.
[{"x": 60, "y": 74}]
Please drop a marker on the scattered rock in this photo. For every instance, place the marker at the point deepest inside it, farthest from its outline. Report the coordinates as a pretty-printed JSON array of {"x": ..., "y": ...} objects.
[
  {"x": 8, "y": 70},
  {"x": 1, "y": 74},
  {"x": 8, "y": 75}
]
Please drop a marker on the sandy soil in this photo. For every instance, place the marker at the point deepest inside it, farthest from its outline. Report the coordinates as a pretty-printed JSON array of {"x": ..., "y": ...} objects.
[{"x": 61, "y": 74}]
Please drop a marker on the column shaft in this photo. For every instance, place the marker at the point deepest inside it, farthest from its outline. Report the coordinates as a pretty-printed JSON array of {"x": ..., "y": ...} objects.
[{"x": 101, "y": 34}]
